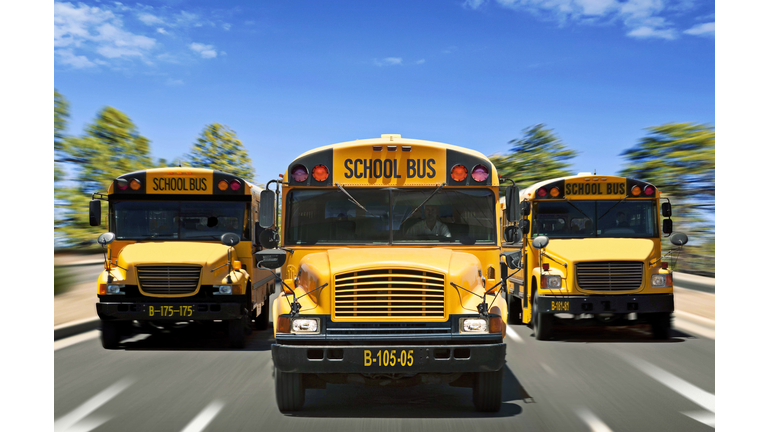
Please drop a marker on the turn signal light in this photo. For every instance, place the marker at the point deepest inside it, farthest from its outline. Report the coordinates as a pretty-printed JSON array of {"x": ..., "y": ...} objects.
[
  {"x": 223, "y": 185},
  {"x": 237, "y": 265},
  {"x": 480, "y": 173},
  {"x": 635, "y": 190},
  {"x": 664, "y": 265},
  {"x": 102, "y": 289},
  {"x": 459, "y": 172},
  {"x": 545, "y": 266},
  {"x": 554, "y": 192},
  {"x": 497, "y": 326},
  {"x": 283, "y": 324},
  {"x": 234, "y": 185},
  {"x": 135, "y": 184},
  {"x": 320, "y": 172},
  {"x": 299, "y": 173}
]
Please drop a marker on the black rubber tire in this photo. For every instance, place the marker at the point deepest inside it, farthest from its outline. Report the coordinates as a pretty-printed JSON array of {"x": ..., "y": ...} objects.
[
  {"x": 110, "y": 334},
  {"x": 289, "y": 391},
  {"x": 486, "y": 390},
  {"x": 661, "y": 323},
  {"x": 542, "y": 323},
  {"x": 236, "y": 333},
  {"x": 515, "y": 311},
  {"x": 261, "y": 322}
]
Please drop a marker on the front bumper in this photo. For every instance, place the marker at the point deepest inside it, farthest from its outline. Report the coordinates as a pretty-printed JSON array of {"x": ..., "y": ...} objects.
[
  {"x": 156, "y": 311},
  {"x": 368, "y": 359},
  {"x": 597, "y": 304}
]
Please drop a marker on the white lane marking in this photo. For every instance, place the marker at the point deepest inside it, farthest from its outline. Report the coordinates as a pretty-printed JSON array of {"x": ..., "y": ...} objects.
[
  {"x": 694, "y": 328},
  {"x": 548, "y": 369},
  {"x": 594, "y": 423},
  {"x": 706, "y": 417},
  {"x": 201, "y": 421},
  {"x": 63, "y": 343},
  {"x": 689, "y": 391},
  {"x": 69, "y": 422},
  {"x": 514, "y": 336},
  {"x": 694, "y": 317}
]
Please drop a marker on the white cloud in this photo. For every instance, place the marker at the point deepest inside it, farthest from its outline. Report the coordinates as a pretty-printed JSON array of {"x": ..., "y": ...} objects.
[
  {"x": 226, "y": 26},
  {"x": 705, "y": 29},
  {"x": 205, "y": 51},
  {"x": 389, "y": 61},
  {"x": 422, "y": 61},
  {"x": 162, "y": 31},
  {"x": 66, "y": 56},
  {"x": 650, "y": 32},
  {"x": 149, "y": 19},
  {"x": 473, "y": 4}
]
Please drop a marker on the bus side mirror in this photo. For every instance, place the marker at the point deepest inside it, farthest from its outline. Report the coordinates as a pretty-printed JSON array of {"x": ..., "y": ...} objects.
[
  {"x": 525, "y": 226},
  {"x": 269, "y": 238},
  {"x": 267, "y": 208},
  {"x": 109, "y": 237},
  {"x": 230, "y": 239},
  {"x": 540, "y": 242},
  {"x": 678, "y": 239},
  {"x": 512, "y": 201},
  {"x": 525, "y": 208},
  {"x": 666, "y": 226},
  {"x": 270, "y": 259},
  {"x": 513, "y": 259},
  {"x": 94, "y": 212},
  {"x": 511, "y": 234},
  {"x": 666, "y": 209}
]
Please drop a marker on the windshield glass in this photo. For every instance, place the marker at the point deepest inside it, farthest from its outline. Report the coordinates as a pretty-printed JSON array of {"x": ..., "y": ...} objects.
[
  {"x": 173, "y": 220},
  {"x": 328, "y": 216},
  {"x": 578, "y": 219}
]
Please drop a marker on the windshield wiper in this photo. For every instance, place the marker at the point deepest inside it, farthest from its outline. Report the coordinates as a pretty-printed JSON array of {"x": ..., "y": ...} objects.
[
  {"x": 577, "y": 209},
  {"x": 351, "y": 199},
  {"x": 162, "y": 235},
  {"x": 422, "y": 204},
  {"x": 612, "y": 207}
]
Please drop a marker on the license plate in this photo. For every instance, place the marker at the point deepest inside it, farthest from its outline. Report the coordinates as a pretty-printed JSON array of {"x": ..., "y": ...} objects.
[
  {"x": 561, "y": 305},
  {"x": 170, "y": 311},
  {"x": 388, "y": 357}
]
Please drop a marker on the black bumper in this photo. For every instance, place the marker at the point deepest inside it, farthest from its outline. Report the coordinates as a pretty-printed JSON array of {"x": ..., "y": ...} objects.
[
  {"x": 399, "y": 358},
  {"x": 192, "y": 311},
  {"x": 596, "y": 304}
]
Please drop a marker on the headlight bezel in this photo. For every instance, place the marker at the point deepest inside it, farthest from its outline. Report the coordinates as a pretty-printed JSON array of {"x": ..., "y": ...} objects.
[
  {"x": 661, "y": 280},
  {"x": 552, "y": 281},
  {"x": 228, "y": 289},
  {"x": 306, "y": 320},
  {"x": 115, "y": 289},
  {"x": 483, "y": 328}
]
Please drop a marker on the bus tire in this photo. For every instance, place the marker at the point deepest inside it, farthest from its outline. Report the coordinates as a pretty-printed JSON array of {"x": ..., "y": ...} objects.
[
  {"x": 261, "y": 322},
  {"x": 515, "y": 311},
  {"x": 236, "y": 333},
  {"x": 289, "y": 391},
  {"x": 110, "y": 334},
  {"x": 660, "y": 325},
  {"x": 542, "y": 323},
  {"x": 486, "y": 390}
]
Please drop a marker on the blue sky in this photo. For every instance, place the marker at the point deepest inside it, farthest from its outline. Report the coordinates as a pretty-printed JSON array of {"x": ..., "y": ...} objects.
[{"x": 289, "y": 76}]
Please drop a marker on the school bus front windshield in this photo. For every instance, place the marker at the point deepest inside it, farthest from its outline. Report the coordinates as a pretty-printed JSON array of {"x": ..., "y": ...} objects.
[
  {"x": 598, "y": 218},
  {"x": 328, "y": 216},
  {"x": 178, "y": 220}
]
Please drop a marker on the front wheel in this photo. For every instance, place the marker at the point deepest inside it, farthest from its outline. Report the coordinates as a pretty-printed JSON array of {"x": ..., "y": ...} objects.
[
  {"x": 289, "y": 391},
  {"x": 660, "y": 325},
  {"x": 236, "y": 333},
  {"x": 515, "y": 311},
  {"x": 261, "y": 322},
  {"x": 542, "y": 323},
  {"x": 486, "y": 390},
  {"x": 110, "y": 334}
]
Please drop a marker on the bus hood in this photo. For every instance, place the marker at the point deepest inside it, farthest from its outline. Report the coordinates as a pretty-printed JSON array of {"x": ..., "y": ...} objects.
[
  {"x": 204, "y": 254},
  {"x": 601, "y": 249},
  {"x": 432, "y": 259}
]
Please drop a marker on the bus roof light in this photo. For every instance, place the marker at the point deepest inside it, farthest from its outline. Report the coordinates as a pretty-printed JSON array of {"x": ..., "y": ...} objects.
[
  {"x": 480, "y": 173},
  {"x": 234, "y": 185},
  {"x": 635, "y": 190},
  {"x": 135, "y": 184},
  {"x": 541, "y": 192},
  {"x": 223, "y": 185},
  {"x": 122, "y": 184},
  {"x": 391, "y": 148},
  {"x": 459, "y": 173},
  {"x": 554, "y": 192},
  {"x": 320, "y": 173},
  {"x": 377, "y": 148},
  {"x": 406, "y": 148},
  {"x": 648, "y": 190},
  {"x": 299, "y": 173}
]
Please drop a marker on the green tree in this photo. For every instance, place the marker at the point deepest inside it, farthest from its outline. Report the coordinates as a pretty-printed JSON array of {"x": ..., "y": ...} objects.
[
  {"x": 538, "y": 155},
  {"x": 218, "y": 148},
  {"x": 111, "y": 146},
  {"x": 60, "y": 118},
  {"x": 679, "y": 159}
]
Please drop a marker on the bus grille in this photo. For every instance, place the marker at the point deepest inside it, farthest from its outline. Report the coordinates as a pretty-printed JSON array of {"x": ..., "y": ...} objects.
[
  {"x": 168, "y": 279},
  {"x": 389, "y": 293},
  {"x": 609, "y": 275}
]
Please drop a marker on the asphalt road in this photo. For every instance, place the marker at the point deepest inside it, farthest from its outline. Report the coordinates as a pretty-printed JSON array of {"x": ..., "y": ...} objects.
[{"x": 587, "y": 380}]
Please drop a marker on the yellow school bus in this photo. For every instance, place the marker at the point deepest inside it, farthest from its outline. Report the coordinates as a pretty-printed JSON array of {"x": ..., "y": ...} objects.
[
  {"x": 586, "y": 250},
  {"x": 180, "y": 248},
  {"x": 390, "y": 264}
]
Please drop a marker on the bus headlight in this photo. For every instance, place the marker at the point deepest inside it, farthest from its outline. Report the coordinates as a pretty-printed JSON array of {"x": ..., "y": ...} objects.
[
  {"x": 473, "y": 325},
  {"x": 661, "y": 280},
  {"x": 115, "y": 289},
  {"x": 222, "y": 289},
  {"x": 552, "y": 281},
  {"x": 305, "y": 325}
]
